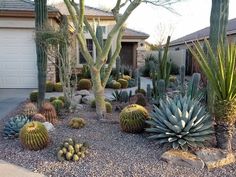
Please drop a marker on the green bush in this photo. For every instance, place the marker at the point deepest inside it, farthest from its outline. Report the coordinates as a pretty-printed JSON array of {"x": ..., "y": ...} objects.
[
  {"x": 84, "y": 84},
  {"x": 34, "y": 96},
  {"x": 58, "y": 87}
]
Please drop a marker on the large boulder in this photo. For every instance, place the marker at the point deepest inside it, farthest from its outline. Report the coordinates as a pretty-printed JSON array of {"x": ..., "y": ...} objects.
[
  {"x": 88, "y": 99},
  {"x": 83, "y": 93},
  {"x": 76, "y": 99},
  {"x": 215, "y": 158},
  {"x": 49, "y": 126},
  {"x": 182, "y": 158}
]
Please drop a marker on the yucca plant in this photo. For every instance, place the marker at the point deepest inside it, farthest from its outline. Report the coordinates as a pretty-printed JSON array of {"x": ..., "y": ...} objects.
[
  {"x": 181, "y": 122},
  {"x": 219, "y": 69}
]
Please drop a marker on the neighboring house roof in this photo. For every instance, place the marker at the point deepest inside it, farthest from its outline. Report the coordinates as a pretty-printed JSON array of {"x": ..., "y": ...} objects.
[
  {"x": 90, "y": 12},
  {"x": 22, "y": 8},
  {"x": 203, "y": 33},
  {"x": 133, "y": 34}
]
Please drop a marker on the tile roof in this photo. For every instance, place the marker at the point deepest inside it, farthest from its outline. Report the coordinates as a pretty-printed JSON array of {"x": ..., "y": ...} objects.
[
  {"x": 89, "y": 11},
  {"x": 203, "y": 33},
  {"x": 20, "y": 5},
  {"x": 133, "y": 33}
]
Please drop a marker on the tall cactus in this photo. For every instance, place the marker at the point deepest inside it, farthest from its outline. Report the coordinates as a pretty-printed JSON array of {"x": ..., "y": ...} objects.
[
  {"x": 41, "y": 17},
  {"x": 161, "y": 89},
  {"x": 182, "y": 79},
  {"x": 193, "y": 88},
  {"x": 118, "y": 65}
]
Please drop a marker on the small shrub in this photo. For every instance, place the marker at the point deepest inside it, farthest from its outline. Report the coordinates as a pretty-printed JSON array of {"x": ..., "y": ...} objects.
[
  {"x": 123, "y": 83},
  {"x": 140, "y": 91},
  {"x": 49, "y": 86},
  {"x": 51, "y": 99},
  {"x": 34, "y": 96},
  {"x": 39, "y": 117},
  {"x": 77, "y": 123},
  {"x": 49, "y": 112},
  {"x": 58, "y": 87},
  {"x": 13, "y": 126},
  {"x": 70, "y": 150},
  {"x": 140, "y": 99},
  {"x": 116, "y": 85},
  {"x": 132, "y": 118},
  {"x": 84, "y": 84},
  {"x": 58, "y": 105},
  {"x": 29, "y": 110},
  {"x": 34, "y": 136}
]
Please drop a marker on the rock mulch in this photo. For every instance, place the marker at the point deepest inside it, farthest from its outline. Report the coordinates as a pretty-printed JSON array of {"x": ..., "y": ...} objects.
[{"x": 112, "y": 153}]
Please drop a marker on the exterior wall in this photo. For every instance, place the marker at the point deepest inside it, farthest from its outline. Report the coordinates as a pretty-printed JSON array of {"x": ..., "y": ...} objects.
[{"x": 178, "y": 57}]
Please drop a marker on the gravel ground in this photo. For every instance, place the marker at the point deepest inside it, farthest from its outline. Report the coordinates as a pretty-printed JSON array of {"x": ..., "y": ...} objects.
[{"x": 112, "y": 153}]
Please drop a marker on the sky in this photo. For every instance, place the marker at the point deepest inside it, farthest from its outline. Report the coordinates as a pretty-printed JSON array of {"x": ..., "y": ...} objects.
[{"x": 192, "y": 15}]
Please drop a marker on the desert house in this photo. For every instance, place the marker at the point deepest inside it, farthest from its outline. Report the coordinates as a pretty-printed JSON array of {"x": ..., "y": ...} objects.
[
  {"x": 18, "y": 61},
  {"x": 180, "y": 54}
]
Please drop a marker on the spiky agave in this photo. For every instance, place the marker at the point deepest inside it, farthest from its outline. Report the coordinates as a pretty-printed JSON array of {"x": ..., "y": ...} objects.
[{"x": 181, "y": 122}]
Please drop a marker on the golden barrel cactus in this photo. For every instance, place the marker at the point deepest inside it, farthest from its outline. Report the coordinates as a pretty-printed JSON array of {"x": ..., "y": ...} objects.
[
  {"x": 34, "y": 136},
  {"x": 132, "y": 118}
]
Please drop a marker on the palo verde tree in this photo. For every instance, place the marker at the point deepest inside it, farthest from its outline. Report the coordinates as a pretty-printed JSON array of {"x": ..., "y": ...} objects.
[
  {"x": 41, "y": 17},
  {"x": 77, "y": 13}
]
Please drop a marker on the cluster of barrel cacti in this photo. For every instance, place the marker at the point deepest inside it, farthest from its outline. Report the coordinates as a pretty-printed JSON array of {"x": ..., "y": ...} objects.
[
  {"x": 70, "y": 150},
  {"x": 34, "y": 136},
  {"x": 77, "y": 123},
  {"x": 132, "y": 118}
]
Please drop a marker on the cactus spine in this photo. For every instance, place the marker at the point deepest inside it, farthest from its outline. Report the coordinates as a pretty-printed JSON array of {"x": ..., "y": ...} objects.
[{"x": 40, "y": 24}]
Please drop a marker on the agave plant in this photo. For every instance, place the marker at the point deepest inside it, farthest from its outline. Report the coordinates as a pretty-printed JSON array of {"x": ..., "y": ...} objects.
[
  {"x": 219, "y": 69},
  {"x": 181, "y": 122}
]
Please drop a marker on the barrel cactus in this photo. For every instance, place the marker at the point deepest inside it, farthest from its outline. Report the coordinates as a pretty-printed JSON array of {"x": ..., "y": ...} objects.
[
  {"x": 123, "y": 83},
  {"x": 34, "y": 136},
  {"x": 140, "y": 99},
  {"x": 72, "y": 151},
  {"x": 140, "y": 91},
  {"x": 181, "y": 122},
  {"x": 116, "y": 85},
  {"x": 58, "y": 87},
  {"x": 29, "y": 110},
  {"x": 126, "y": 77},
  {"x": 58, "y": 105},
  {"x": 49, "y": 112},
  {"x": 34, "y": 96},
  {"x": 108, "y": 107},
  {"x": 77, "y": 122},
  {"x": 132, "y": 118},
  {"x": 62, "y": 98},
  {"x": 13, "y": 126},
  {"x": 84, "y": 84},
  {"x": 39, "y": 117},
  {"x": 49, "y": 86}
]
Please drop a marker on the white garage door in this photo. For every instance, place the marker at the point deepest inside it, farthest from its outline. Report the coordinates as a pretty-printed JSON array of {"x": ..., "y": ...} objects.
[{"x": 18, "y": 62}]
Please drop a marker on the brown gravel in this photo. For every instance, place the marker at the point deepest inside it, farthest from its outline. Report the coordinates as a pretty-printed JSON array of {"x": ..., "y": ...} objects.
[{"x": 112, "y": 153}]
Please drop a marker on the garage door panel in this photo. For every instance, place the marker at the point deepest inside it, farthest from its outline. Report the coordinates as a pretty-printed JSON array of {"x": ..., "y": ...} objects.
[{"x": 18, "y": 65}]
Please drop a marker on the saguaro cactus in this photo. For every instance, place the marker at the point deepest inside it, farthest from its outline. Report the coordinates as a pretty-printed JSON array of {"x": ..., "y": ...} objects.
[{"x": 41, "y": 16}]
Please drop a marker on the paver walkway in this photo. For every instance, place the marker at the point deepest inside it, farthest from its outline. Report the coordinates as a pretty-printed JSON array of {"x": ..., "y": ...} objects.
[{"x": 10, "y": 170}]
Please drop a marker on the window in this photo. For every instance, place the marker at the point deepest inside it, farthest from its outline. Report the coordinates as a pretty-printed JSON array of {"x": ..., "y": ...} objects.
[{"x": 90, "y": 49}]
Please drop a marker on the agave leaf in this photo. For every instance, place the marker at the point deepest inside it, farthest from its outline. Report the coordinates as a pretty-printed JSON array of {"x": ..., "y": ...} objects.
[
  {"x": 184, "y": 147},
  {"x": 193, "y": 144},
  {"x": 205, "y": 132},
  {"x": 181, "y": 142},
  {"x": 172, "y": 139},
  {"x": 156, "y": 130},
  {"x": 159, "y": 136},
  {"x": 189, "y": 124},
  {"x": 175, "y": 145},
  {"x": 174, "y": 128}
]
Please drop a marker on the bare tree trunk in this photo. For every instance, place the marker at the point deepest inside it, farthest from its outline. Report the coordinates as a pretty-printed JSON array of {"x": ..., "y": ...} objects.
[{"x": 98, "y": 91}]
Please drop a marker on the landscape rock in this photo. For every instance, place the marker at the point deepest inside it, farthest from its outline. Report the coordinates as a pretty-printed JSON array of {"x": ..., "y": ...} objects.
[
  {"x": 76, "y": 99},
  {"x": 215, "y": 158},
  {"x": 83, "y": 93},
  {"x": 88, "y": 99},
  {"x": 49, "y": 126},
  {"x": 182, "y": 158}
]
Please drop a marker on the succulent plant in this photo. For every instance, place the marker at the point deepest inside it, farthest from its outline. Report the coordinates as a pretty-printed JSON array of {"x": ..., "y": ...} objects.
[
  {"x": 181, "y": 122},
  {"x": 39, "y": 117},
  {"x": 13, "y": 126},
  {"x": 70, "y": 150},
  {"x": 49, "y": 112},
  {"x": 51, "y": 99},
  {"x": 62, "y": 98},
  {"x": 123, "y": 83},
  {"x": 140, "y": 99},
  {"x": 58, "y": 87},
  {"x": 34, "y": 96},
  {"x": 108, "y": 107},
  {"x": 126, "y": 77},
  {"x": 77, "y": 123},
  {"x": 84, "y": 84},
  {"x": 34, "y": 136},
  {"x": 132, "y": 118},
  {"x": 140, "y": 91},
  {"x": 172, "y": 78},
  {"x": 49, "y": 86},
  {"x": 124, "y": 96},
  {"x": 58, "y": 105},
  {"x": 116, "y": 85},
  {"x": 29, "y": 110}
]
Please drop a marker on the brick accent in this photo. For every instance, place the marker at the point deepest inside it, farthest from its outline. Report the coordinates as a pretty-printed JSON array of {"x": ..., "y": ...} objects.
[{"x": 51, "y": 71}]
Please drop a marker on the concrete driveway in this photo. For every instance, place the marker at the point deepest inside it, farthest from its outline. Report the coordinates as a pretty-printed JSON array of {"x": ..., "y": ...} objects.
[{"x": 10, "y": 99}]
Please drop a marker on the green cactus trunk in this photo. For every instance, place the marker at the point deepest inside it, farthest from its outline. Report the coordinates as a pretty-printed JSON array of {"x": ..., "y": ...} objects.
[
  {"x": 118, "y": 65},
  {"x": 40, "y": 24}
]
